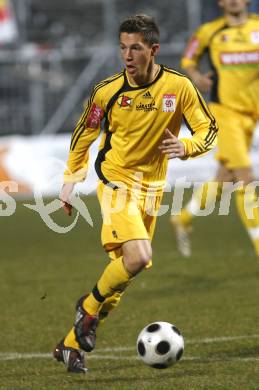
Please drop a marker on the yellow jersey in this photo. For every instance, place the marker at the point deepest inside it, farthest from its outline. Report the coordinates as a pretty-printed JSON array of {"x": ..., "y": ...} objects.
[
  {"x": 233, "y": 54},
  {"x": 135, "y": 118}
]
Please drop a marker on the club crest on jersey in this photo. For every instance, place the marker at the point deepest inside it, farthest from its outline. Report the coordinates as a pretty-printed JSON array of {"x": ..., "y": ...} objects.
[
  {"x": 124, "y": 101},
  {"x": 169, "y": 102}
]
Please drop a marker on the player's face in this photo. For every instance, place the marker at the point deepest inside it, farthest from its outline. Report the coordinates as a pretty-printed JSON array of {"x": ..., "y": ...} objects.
[
  {"x": 136, "y": 54},
  {"x": 233, "y": 6}
]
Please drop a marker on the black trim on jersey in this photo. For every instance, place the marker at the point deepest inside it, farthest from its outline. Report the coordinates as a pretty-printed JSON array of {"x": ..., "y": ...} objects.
[
  {"x": 204, "y": 106},
  {"x": 81, "y": 125},
  {"x": 131, "y": 88},
  {"x": 126, "y": 87},
  {"x": 213, "y": 129},
  {"x": 107, "y": 144},
  {"x": 210, "y": 137},
  {"x": 206, "y": 110},
  {"x": 97, "y": 295},
  {"x": 101, "y": 157},
  {"x": 214, "y": 96},
  {"x": 188, "y": 125},
  {"x": 76, "y": 136},
  {"x": 214, "y": 93}
]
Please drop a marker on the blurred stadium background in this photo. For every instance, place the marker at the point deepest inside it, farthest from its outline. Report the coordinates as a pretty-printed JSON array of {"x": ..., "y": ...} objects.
[{"x": 51, "y": 54}]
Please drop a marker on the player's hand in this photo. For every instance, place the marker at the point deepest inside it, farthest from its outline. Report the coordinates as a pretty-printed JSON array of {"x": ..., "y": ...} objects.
[
  {"x": 64, "y": 197},
  {"x": 203, "y": 81},
  {"x": 171, "y": 146}
]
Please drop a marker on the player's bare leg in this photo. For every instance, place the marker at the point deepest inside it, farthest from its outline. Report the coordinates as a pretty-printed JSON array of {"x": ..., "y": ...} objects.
[{"x": 136, "y": 255}]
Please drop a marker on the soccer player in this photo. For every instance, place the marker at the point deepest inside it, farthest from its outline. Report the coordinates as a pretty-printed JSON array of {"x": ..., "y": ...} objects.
[
  {"x": 142, "y": 108},
  {"x": 232, "y": 43}
]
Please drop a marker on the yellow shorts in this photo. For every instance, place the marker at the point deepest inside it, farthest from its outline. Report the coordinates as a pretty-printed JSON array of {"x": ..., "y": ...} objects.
[
  {"x": 126, "y": 216},
  {"x": 247, "y": 100},
  {"x": 234, "y": 136}
]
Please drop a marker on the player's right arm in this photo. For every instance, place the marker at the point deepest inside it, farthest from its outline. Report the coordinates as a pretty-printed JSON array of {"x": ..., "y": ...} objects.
[
  {"x": 202, "y": 80},
  {"x": 194, "y": 50},
  {"x": 85, "y": 133}
]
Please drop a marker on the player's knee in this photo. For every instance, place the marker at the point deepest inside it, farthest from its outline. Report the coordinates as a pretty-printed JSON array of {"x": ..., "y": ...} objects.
[
  {"x": 137, "y": 255},
  {"x": 145, "y": 257},
  {"x": 138, "y": 261}
]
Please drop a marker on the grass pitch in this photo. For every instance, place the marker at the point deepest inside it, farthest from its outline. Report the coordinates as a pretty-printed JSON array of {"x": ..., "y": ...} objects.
[{"x": 212, "y": 297}]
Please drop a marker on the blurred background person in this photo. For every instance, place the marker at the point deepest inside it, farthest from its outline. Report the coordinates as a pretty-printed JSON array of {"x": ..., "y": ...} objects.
[{"x": 232, "y": 43}]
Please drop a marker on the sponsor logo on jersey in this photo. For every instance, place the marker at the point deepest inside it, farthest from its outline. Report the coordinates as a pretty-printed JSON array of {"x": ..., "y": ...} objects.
[
  {"x": 147, "y": 95},
  {"x": 124, "y": 101},
  {"x": 255, "y": 36},
  {"x": 94, "y": 117},
  {"x": 240, "y": 58},
  {"x": 169, "y": 102},
  {"x": 146, "y": 107}
]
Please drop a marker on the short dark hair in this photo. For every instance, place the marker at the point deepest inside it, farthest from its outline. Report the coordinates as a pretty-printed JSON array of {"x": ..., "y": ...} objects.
[{"x": 142, "y": 24}]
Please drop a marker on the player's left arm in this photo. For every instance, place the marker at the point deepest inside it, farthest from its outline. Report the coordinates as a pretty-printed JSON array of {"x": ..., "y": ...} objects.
[{"x": 199, "y": 121}]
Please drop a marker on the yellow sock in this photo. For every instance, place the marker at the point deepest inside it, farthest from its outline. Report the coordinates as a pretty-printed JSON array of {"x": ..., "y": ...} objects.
[
  {"x": 115, "y": 278},
  {"x": 185, "y": 217},
  {"x": 70, "y": 340},
  {"x": 109, "y": 304},
  {"x": 249, "y": 215}
]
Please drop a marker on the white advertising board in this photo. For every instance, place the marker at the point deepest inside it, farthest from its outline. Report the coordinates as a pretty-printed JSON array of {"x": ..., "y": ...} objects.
[{"x": 37, "y": 163}]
